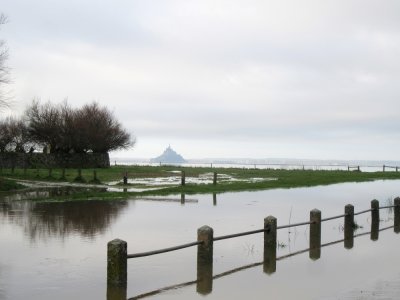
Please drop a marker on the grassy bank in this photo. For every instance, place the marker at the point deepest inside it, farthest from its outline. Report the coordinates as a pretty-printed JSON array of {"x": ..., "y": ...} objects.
[
  {"x": 9, "y": 185},
  {"x": 243, "y": 179}
]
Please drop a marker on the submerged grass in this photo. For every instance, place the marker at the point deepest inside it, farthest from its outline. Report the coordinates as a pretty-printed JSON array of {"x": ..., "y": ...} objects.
[{"x": 282, "y": 179}]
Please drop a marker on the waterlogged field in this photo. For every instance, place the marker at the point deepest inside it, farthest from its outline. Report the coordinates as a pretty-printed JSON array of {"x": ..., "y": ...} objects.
[
  {"x": 57, "y": 250},
  {"x": 166, "y": 180}
]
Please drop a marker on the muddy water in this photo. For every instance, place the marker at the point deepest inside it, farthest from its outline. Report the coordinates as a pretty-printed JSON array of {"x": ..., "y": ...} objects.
[{"x": 53, "y": 250}]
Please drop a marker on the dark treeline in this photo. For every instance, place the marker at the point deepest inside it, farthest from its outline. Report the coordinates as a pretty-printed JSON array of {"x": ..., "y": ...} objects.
[{"x": 58, "y": 128}]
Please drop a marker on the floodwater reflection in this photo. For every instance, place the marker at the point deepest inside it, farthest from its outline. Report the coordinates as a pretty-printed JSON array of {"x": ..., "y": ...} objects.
[
  {"x": 57, "y": 250},
  {"x": 42, "y": 220}
]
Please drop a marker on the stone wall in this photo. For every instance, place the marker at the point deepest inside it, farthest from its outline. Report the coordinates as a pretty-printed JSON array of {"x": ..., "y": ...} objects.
[{"x": 54, "y": 160}]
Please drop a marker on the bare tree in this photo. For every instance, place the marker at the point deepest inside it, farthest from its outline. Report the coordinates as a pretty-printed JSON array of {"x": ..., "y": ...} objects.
[
  {"x": 4, "y": 79},
  {"x": 44, "y": 124},
  {"x": 100, "y": 131},
  {"x": 14, "y": 136},
  {"x": 5, "y": 136},
  {"x": 90, "y": 128}
]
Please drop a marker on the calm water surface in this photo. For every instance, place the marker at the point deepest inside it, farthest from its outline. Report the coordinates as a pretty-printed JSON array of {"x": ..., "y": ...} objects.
[{"x": 52, "y": 250}]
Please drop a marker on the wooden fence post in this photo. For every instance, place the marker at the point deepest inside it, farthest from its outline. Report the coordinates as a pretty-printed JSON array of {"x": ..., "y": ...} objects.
[
  {"x": 50, "y": 172},
  {"x": 117, "y": 262},
  {"x": 183, "y": 178},
  {"x": 205, "y": 235},
  {"x": 270, "y": 226},
  {"x": 116, "y": 292},
  {"x": 215, "y": 178},
  {"x": 349, "y": 226},
  {"x": 315, "y": 234},
  {"x": 125, "y": 178},
  {"x": 397, "y": 215},
  {"x": 94, "y": 175},
  {"x": 374, "y": 220},
  {"x": 384, "y": 167},
  {"x": 63, "y": 174}
]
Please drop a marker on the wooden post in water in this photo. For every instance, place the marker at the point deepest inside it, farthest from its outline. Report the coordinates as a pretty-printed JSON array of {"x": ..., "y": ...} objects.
[
  {"x": 349, "y": 226},
  {"x": 374, "y": 220},
  {"x": 215, "y": 199},
  {"x": 63, "y": 174},
  {"x": 270, "y": 226},
  {"x": 125, "y": 177},
  {"x": 117, "y": 262},
  {"x": 205, "y": 235},
  {"x": 358, "y": 168},
  {"x": 183, "y": 178},
  {"x": 315, "y": 234},
  {"x": 397, "y": 215},
  {"x": 384, "y": 167},
  {"x": 183, "y": 199},
  {"x": 215, "y": 178},
  {"x": 116, "y": 292},
  {"x": 94, "y": 175},
  {"x": 50, "y": 172}
]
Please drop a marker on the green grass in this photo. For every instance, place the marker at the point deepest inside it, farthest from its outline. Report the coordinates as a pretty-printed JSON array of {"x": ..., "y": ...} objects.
[
  {"x": 284, "y": 178},
  {"x": 8, "y": 185}
]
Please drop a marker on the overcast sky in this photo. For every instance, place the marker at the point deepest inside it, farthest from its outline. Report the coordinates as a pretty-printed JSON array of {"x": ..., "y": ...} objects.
[{"x": 255, "y": 78}]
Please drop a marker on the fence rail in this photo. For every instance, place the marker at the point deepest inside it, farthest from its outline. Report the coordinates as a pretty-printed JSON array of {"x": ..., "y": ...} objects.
[
  {"x": 117, "y": 249},
  {"x": 245, "y": 267}
]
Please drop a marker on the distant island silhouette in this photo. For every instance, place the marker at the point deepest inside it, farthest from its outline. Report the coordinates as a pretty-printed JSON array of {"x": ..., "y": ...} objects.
[{"x": 169, "y": 156}]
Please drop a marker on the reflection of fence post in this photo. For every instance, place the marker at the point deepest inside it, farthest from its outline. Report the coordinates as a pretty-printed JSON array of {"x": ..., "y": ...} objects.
[
  {"x": 374, "y": 220},
  {"x": 349, "y": 226},
  {"x": 315, "y": 234},
  {"x": 215, "y": 178},
  {"x": 182, "y": 198},
  {"x": 117, "y": 262},
  {"x": 205, "y": 235},
  {"x": 270, "y": 226},
  {"x": 183, "y": 178},
  {"x": 125, "y": 178},
  {"x": 214, "y": 199},
  {"x": 397, "y": 215}
]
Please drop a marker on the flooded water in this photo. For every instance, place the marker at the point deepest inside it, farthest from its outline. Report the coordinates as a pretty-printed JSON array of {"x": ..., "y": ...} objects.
[{"x": 57, "y": 250}]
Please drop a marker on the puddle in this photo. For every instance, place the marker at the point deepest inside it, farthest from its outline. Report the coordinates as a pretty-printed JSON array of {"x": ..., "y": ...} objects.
[{"x": 205, "y": 178}]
